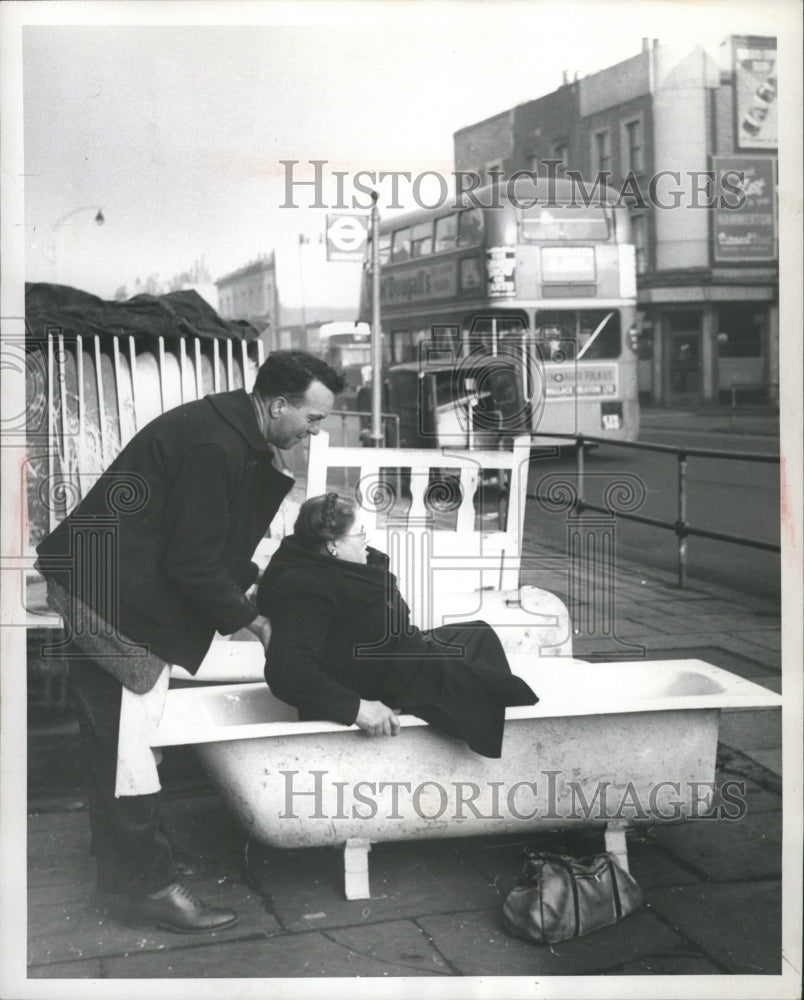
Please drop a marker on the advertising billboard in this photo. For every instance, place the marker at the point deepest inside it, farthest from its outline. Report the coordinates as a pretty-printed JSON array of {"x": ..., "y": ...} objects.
[
  {"x": 746, "y": 231},
  {"x": 755, "y": 93}
]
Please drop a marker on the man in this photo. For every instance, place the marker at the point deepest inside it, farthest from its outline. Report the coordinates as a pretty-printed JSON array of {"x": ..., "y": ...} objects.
[{"x": 152, "y": 562}]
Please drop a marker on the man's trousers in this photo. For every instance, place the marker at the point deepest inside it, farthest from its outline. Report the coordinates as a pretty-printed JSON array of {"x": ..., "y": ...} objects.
[{"x": 132, "y": 852}]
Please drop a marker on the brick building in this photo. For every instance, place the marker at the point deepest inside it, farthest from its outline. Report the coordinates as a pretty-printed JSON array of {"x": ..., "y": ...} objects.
[
  {"x": 666, "y": 127},
  {"x": 250, "y": 293}
]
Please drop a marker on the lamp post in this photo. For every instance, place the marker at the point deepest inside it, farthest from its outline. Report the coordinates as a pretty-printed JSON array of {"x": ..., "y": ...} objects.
[
  {"x": 302, "y": 241},
  {"x": 376, "y": 333},
  {"x": 54, "y": 229}
]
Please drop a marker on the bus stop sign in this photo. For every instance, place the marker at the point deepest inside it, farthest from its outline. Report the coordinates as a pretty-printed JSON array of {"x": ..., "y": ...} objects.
[{"x": 346, "y": 236}]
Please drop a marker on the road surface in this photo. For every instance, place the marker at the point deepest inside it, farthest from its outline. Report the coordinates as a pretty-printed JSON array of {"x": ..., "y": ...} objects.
[{"x": 727, "y": 495}]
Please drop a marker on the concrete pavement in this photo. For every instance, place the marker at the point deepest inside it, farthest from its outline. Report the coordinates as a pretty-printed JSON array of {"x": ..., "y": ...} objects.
[{"x": 762, "y": 421}]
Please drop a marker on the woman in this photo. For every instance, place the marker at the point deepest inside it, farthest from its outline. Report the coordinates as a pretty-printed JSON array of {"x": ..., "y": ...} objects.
[{"x": 342, "y": 646}]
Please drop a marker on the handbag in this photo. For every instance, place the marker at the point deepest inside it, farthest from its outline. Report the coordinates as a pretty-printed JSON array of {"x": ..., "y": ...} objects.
[{"x": 560, "y": 897}]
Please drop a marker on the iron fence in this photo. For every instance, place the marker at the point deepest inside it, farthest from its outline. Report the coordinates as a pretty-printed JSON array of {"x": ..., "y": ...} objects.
[{"x": 681, "y": 527}]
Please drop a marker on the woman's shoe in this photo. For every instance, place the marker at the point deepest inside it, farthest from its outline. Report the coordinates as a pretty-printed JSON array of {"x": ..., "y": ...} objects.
[{"x": 176, "y": 908}]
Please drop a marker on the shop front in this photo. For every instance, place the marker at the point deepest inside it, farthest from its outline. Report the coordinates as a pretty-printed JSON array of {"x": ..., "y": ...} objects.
[{"x": 720, "y": 352}]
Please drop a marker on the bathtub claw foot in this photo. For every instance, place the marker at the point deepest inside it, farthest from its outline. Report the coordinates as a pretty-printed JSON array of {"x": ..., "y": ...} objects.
[
  {"x": 355, "y": 868},
  {"x": 614, "y": 839}
]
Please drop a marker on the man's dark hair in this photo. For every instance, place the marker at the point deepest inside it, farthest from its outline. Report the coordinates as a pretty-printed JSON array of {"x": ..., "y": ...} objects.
[{"x": 289, "y": 374}]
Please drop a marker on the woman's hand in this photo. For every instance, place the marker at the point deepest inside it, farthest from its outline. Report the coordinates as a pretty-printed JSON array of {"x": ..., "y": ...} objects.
[{"x": 377, "y": 719}]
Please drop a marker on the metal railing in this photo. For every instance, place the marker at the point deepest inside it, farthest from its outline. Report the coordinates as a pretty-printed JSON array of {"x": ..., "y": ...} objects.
[{"x": 680, "y": 526}]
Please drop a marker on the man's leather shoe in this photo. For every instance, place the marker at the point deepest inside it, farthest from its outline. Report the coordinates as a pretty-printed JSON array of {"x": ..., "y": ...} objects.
[{"x": 178, "y": 909}]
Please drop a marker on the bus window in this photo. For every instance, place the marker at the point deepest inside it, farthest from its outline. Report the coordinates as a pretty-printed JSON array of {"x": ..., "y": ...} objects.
[
  {"x": 400, "y": 345},
  {"x": 346, "y": 355},
  {"x": 489, "y": 332},
  {"x": 564, "y": 222},
  {"x": 446, "y": 233},
  {"x": 492, "y": 392},
  {"x": 442, "y": 345},
  {"x": 470, "y": 228},
  {"x": 385, "y": 250},
  {"x": 421, "y": 237},
  {"x": 472, "y": 275},
  {"x": 446, "y": 336},
  {"x": 584, "y": 334},
  {"x": 405, "y": 344},
  {"x": 400, "y": 247}
]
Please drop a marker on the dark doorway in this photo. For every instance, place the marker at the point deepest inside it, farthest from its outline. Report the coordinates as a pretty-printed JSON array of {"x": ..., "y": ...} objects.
[{"x": 684, "y": 369}]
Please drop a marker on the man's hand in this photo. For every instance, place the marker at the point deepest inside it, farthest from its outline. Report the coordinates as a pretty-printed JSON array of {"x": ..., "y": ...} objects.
[
  {"x": 377, "y": 719},
  {"x": 261, "y": 627}
]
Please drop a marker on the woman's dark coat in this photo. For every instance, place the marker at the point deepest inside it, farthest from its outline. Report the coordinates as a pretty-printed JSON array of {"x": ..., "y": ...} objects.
[
  {"x": 340, "y": 631},
  {"x": 183, "y": 507}
]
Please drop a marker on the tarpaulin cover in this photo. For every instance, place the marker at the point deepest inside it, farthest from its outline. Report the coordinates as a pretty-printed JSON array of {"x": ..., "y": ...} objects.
[{"x": 176, "y": 314}]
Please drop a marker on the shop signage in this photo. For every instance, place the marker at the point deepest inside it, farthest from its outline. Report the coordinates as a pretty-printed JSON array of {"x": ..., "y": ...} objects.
[{"x": 747, "y": 232}]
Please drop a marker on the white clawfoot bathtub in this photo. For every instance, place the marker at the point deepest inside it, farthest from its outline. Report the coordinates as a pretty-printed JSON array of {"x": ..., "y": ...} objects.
[{"x": 607, "y": 745}]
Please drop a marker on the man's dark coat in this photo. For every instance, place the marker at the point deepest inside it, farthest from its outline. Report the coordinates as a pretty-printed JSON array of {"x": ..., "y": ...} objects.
[{"x": 161, "y": 546}]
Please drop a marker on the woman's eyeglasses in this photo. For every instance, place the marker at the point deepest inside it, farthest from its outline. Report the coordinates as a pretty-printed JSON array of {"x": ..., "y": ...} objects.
[{"x": 354, "y": 534}]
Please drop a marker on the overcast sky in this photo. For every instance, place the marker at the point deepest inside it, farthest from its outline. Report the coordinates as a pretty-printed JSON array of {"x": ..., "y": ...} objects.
[{"x": 177, "y": 130}]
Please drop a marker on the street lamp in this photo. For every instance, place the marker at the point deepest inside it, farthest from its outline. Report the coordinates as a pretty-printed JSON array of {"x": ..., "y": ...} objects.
[{"x": 99, "y": 220}]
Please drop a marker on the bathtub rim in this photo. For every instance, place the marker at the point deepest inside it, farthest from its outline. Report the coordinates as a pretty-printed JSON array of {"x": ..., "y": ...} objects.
[{"x": 737, "y": 693}]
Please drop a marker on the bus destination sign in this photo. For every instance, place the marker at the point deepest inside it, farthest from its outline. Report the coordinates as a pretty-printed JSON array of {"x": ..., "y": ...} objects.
[{"x": 567, "y": 380}]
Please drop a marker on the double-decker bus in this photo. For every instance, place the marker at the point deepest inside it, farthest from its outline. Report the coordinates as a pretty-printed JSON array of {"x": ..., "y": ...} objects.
[
  {"x": 540, "y": 271},
  {"x": 347, "y": 348}
]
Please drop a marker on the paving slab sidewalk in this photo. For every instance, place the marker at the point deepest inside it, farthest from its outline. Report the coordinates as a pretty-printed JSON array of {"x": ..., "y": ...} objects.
[{"x": 759, "y": 421}]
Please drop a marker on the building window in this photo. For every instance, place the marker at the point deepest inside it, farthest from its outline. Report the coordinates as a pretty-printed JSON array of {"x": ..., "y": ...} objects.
[
  {"x": 634, "y": 143},
  {"x": 602, "y": 141},
  {"x": 560, "y": 154},
  {"x": 740, "y": 331},
  {"x": 639, "y": 227}
]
